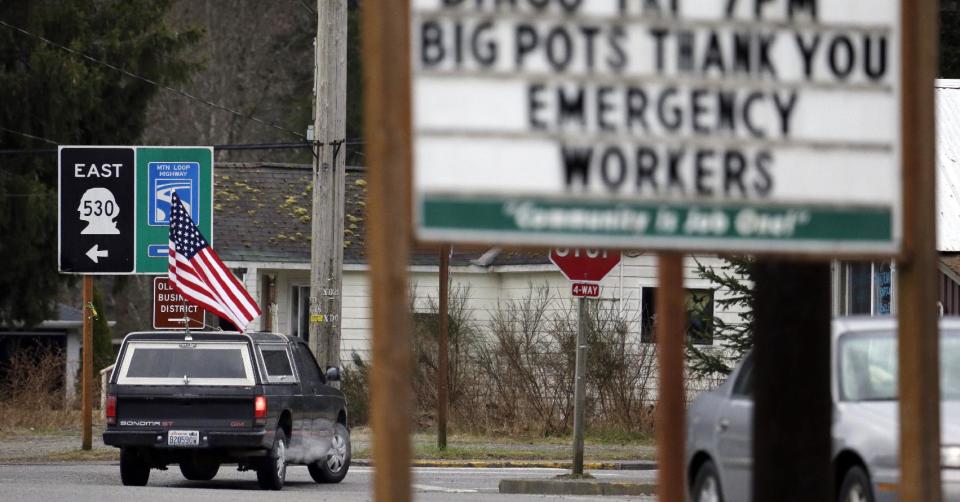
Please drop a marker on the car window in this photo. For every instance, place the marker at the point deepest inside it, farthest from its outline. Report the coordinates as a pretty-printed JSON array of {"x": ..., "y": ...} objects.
[
  {"x": 743, "y": 386},
  {"x": 186, "y": 363},
  {"x": 276, "y": 362},
  {"x": 306, "y": 364}
]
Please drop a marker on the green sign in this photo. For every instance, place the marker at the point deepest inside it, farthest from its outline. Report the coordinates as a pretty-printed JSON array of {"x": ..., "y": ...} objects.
[
  {"x": 161, "y": 171},
  {"x": 660, "y": 226}
]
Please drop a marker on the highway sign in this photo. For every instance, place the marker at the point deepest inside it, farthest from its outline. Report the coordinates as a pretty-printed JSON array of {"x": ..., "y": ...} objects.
[
  {"x": 96, "y": 210},
  {"x": 188, "y": 171},
  {"x": 659, "y": 125},
  {"x": 590, "y": 265},
  {"x": 114, "y": 205},
  {"x": 170, "y": 307}
]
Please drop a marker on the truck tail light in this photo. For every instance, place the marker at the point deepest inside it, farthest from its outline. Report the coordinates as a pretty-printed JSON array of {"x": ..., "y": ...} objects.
[
  {"x": 111, "y": 409},
  {"x": 260, "y": 407}
]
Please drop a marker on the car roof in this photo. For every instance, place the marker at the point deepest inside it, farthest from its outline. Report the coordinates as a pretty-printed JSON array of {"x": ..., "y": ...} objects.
[
  {"x": 867, "y": 324},
  {"x": 256, "y": 337}
]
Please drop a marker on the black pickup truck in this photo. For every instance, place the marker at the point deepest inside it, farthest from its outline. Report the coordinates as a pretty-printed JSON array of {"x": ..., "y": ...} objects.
[{"x": 202, "y": 399}]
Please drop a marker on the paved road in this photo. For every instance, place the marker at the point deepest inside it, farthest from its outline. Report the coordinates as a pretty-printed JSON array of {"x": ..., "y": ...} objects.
[{"x": 101, "y": 481}]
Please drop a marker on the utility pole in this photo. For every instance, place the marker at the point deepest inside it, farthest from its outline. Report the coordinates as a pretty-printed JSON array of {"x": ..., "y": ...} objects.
[{"x": 326, "y": 249}]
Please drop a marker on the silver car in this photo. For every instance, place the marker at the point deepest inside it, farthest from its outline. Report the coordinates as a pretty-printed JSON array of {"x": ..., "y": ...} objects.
[{"x": 865, "y": 414}]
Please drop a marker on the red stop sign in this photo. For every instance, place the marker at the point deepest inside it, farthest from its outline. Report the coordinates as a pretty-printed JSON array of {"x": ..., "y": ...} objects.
[{"x": 585, "y": 264}]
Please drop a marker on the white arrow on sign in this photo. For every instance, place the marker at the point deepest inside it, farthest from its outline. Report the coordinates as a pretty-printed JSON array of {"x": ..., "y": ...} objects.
[{"x": 95, "y": 253}]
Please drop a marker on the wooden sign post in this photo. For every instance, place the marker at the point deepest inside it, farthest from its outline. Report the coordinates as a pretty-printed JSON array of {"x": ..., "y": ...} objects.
[
  {"x": 386, "y": 91},
  {"x": 919, "y": 362}
]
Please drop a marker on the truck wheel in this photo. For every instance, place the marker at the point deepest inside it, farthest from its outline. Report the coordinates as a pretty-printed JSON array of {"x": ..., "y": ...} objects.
[
  {"x": 273, "y": 471},
  {"x": 197, "y": 469},
  {"x": 333, "y": 468},
  {"x": 134, "y": 471}
]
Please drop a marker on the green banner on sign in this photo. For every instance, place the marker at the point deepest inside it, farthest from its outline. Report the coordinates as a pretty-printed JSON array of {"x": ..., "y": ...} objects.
[
  {"x": 161, "y": 171},
  {"x": 703, "y": 226}
]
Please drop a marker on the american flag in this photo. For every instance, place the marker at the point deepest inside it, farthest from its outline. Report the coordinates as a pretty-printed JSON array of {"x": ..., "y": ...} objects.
[{"x": 197, "y": 273}]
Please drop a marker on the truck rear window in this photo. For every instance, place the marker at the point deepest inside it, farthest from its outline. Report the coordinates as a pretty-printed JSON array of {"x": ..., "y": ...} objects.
[
  {"x": 186, "y": 363},
  {"x": 277, "y": 363}
]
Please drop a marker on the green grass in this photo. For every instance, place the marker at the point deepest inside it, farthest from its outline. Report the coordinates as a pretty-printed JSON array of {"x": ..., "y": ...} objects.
[{"x": 599, "y": 446}]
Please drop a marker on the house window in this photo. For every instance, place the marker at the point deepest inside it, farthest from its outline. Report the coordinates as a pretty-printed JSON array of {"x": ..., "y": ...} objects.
[
  {"x": 865, "y": 288},
  {"x": 699, "y": 315},
  {"x": 300, "y": 312}
]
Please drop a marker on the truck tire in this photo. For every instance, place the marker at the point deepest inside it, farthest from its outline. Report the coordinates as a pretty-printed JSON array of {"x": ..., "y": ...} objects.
[
  {"x": 333, "y": 468},
  {"x": 198, "y": 469},
  {"x": 134, "y": 471},
  {"x": 273, "y": 470}
]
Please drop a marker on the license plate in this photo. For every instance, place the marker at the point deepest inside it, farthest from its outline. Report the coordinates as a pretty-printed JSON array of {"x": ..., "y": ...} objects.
[{"x": 183, "y": 438}]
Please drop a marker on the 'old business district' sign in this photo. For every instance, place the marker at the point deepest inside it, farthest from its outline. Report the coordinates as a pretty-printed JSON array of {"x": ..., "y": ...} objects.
[{"x": 757, "y": 125}]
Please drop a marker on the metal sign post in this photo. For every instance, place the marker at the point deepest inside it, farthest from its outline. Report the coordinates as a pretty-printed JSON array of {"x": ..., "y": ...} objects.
[
  {"x": 87, "y": 379},
  {"x": 580, "y": 390}
]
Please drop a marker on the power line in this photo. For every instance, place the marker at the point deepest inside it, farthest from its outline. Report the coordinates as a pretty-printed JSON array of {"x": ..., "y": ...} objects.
[
  {"x": 308, "y": 7},
  {"x": 28, "y": 135},
  {"x": 225, "y": 147},
  {"x": 150, "y": 81}
]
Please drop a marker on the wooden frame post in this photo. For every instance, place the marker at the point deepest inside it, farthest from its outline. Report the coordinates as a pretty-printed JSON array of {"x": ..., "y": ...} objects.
[
  {"x": 86, "y": 439},
  {"x": 671, "y": 333},
  {"x": 792, "y": 405},
  {"x": 443, "y": 348},
  {"x": 919, "y": 368},
  {"x": 386, "y": 90}
]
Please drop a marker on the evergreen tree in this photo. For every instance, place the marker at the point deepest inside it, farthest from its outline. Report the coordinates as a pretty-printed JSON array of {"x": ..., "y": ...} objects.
[
  {"x": 730, "y": 340},
  {"x": 54, "y": 96}
]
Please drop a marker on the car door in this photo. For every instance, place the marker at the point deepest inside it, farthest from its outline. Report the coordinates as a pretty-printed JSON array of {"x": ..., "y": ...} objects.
[
  {"x": 734, "y": 436},
  {"x": 311, "y": 384}
]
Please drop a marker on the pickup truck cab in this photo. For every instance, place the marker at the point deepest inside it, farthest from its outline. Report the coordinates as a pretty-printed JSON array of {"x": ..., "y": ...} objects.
[{"x": 203, "y": 399}]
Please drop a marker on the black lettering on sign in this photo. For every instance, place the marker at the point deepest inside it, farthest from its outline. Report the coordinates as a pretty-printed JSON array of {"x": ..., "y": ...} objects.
[
  {"x": 571, "y": 108},
  {"x": 647, "y": 161},
  {"x": 617, "y": 60},
  {"x": 704, "y": 172},
  {"x": 659, "y": 8},
  {"x": 658, "y": 34},
  {"x": 603, "y": 108},
  {"x": 589, "y": 35},
  {"x": 559, "y": 49},
  {"x": 842, "y": 57},
  {"x": 807, "y": 50},
  {"x": 613, "y": 168},
  {"x": 485, "y": 52},
  {"x": 875, "y": 65},
  {"x": 663, "y": 171},
  {"x": 734, "y": 165},
  {"x": 576, "y": 164},
  {"x": 764, "y": 185},
  {"x": 674, "y": 120},
  {"x": 527, "y": 40},
  {"x": 675, "y": 181},
  {"x": 713, "y": 59},
  {"x": 534, "y": 105},
  {"x": 636, "y": 108},
  {"x": 431, "y": 44},
  {"x": 685, "y": 41}
]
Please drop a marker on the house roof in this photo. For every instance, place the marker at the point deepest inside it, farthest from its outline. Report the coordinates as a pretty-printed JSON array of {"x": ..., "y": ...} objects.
[
  {"x": 262, "y": 213},
  {"x": 948, "y": 165}
]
